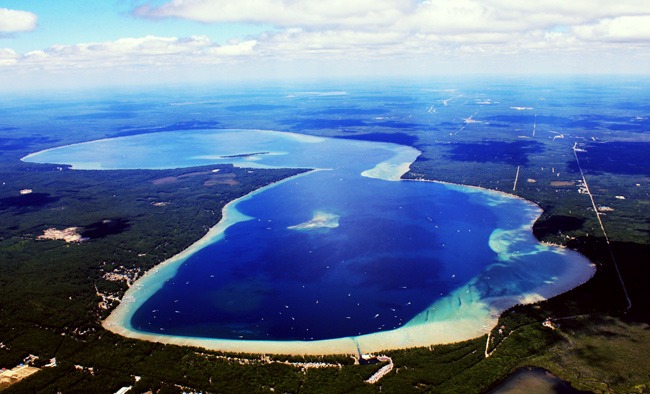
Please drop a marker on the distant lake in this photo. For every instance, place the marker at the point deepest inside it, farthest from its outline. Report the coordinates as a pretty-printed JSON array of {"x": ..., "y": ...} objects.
[
  {"x": 534, "y": 381},
  {"x": 343, "y": 251}
]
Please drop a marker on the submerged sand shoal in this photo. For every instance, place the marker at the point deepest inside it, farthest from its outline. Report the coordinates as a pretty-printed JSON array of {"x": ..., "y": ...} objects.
[
  {"x": 473, "y": 319},
  {"x": 460, "y": 316},
  {"x": 464, "y": 314}
]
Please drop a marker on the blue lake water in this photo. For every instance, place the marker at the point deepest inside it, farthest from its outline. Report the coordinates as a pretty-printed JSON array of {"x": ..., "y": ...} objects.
[{"x": 345, "y": 250}]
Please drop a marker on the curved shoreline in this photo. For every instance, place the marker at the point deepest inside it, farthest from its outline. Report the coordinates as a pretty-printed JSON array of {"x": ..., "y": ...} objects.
[
  {"x": 476, "y": 316},
  {"x": 473, "y": 317},
  {"x": 229, "y": 216}
]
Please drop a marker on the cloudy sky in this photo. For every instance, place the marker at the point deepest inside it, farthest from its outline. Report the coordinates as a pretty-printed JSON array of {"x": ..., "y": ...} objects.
[{"x": 112, "y": 42}]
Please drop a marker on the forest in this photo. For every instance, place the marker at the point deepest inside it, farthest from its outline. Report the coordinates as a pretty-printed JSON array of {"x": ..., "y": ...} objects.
[{"x": 132, "y": 220}]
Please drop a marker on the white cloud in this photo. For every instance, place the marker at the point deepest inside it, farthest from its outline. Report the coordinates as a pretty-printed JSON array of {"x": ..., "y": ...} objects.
[
  {"x": 234, "y": 49},
  {"x": 343, "y": 33},
  {"x": 458, "y": 15},
  {"x": 285, "y": 13},
  {"x": 141, "y": 51},
  {"x": 466, "y": 17},
  {"x": 476, "y": 35},
  {"x": 8, "y": 57},
  {"x": 301, "y": 43},
  {"x": 626, "y": 29},
  {"x": 16, "y": 21}
]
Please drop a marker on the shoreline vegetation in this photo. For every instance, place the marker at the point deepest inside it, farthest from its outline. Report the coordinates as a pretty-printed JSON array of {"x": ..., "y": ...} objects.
[
  {"x": 49, "y": 289},
  {"x": 474, "y": 318},
  {"x": 523, "y": 324}
]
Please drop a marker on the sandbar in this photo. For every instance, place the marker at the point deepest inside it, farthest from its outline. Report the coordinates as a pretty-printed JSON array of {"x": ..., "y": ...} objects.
[{"x": 467, "y": 312}]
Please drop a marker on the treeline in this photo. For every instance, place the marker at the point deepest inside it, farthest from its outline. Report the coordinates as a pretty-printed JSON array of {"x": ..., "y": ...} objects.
[
  {"x": 49, "y": 307},
  {"x": 48, "y": 287}
]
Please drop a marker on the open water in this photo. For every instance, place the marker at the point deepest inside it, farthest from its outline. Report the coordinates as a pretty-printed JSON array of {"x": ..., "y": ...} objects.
[{"x": 344, "y": 250}]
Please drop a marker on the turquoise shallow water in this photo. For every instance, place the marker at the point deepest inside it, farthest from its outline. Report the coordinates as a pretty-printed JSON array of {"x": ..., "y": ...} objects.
[{"x": 346, "y": 250}]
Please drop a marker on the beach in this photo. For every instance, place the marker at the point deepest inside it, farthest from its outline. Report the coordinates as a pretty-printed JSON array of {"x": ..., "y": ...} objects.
[
  {"x": 441, "y": 323},
  {"x": 515, "y": 267}
]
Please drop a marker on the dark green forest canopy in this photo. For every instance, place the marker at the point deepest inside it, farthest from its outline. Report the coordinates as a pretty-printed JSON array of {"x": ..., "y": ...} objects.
[{"x": 137, "y": 218}]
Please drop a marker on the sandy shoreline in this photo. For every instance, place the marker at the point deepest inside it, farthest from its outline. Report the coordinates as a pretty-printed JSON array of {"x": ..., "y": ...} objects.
[
  {"x": 461, "y": 315},
  {"x": 153, "y": 279},
  {"x": 474, "y": 318},
  {"x": 478, "y": 190}
]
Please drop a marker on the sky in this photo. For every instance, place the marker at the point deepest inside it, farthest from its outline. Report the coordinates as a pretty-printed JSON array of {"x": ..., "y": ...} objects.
[{"x": 67, "y": 43}]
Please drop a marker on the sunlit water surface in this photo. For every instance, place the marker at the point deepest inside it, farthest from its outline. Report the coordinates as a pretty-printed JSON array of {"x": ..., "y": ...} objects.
[{"x": 342, "y": 251}]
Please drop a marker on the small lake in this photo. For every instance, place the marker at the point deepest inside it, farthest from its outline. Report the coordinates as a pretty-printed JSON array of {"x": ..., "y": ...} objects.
[
  {"x": 534, "y": 381},
  {"x": 345, "y": 251}
]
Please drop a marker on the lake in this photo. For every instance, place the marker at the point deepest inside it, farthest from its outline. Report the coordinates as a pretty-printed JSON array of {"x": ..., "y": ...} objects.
[{"x": 345, "y": 255}]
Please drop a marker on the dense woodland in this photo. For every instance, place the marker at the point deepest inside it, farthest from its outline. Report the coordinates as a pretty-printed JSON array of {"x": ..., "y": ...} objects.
[{"x": 134, "y": 219}]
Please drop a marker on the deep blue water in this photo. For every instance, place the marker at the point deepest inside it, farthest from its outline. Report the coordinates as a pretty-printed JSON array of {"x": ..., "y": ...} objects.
[
  {"x": 385, "y": 262},
  {"x": 338, "y": 252}
]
